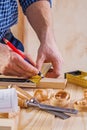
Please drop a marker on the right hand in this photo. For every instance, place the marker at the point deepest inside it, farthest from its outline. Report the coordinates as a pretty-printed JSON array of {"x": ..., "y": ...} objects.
[{"x": 14, "y": 65}]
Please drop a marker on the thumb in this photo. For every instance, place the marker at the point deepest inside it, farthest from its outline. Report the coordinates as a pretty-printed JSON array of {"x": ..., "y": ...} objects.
[{"x": 39, "y": 62}]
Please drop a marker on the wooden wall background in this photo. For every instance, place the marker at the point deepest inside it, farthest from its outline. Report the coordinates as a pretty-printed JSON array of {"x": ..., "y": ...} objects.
[{"x": 70, "y": 28}]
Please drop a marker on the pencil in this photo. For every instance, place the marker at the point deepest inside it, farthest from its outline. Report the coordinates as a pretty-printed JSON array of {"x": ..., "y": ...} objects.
[{"x": 19, "y": 53}]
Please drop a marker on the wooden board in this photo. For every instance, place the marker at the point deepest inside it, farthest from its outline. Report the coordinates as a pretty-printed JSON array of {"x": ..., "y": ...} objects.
[
  {"x": 29, "y": 85},
  {"x": 52, "y": 83},
  {"x": 10, "y": 123},
  {"x": 44, "y": 83}
]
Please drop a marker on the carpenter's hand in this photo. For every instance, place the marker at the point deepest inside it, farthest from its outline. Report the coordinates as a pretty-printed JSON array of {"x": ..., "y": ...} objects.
[
  {"x": 48, "y": 52},
  {"x": 13, "y": 64}
]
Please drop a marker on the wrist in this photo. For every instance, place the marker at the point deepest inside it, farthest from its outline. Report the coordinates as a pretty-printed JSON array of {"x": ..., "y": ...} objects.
[{"x": 46, "y": 35}]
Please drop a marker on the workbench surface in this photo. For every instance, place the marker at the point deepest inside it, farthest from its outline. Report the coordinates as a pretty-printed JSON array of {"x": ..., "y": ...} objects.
[{"x": 34, "y": 119}]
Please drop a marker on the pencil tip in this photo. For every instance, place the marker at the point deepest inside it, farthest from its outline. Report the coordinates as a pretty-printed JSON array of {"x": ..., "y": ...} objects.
[{"x": 40, "y": 74}]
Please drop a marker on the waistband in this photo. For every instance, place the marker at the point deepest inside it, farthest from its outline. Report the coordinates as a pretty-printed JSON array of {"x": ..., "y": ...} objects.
[{"x": 8, "y": 36}]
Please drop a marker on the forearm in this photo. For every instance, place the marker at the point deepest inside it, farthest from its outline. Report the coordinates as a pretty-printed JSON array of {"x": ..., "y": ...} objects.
[{"x": 39, "y": 16}]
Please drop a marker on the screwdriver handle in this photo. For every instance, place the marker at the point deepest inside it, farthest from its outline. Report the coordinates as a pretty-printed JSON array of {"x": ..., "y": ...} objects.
[
  {"x": 21, "y": 93},
  {"x": 22, "y": 103}
]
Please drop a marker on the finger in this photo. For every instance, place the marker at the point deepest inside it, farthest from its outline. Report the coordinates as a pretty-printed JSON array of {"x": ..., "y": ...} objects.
[
  {"x": 28, "y": 68},
  {"x": 39, "y": 62},
  {"x": 51, "y": 74},
  {"x": 14, "y": 73},
  {"x": 11, "y": 73},
  {"x": 28, "y": 57},
  {"x": 30, "y": 60},
  {"x": 17, "y": 72},
  {"x": 57, "y": 66},
  {"x": 10, "y": 69},
  {"x": 55, "y": 72},
  {"x": 21, "y": 73}
]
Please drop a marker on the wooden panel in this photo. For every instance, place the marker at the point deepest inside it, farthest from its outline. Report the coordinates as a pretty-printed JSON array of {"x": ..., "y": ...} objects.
[{"x": 52, "y": 83}]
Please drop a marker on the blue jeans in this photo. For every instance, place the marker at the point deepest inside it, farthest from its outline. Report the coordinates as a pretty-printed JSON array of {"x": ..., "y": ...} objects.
[{"x": 9, "y": 36}]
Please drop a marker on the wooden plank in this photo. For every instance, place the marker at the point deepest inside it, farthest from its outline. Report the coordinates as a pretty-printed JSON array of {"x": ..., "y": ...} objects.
[
  {"x": 9, "y": 121},
  {"x": 8, "y": 124},
  {"x": 5, "y": 84},
  {"x": 52, "y": 83},
  {"x": 44, "y": 83}
]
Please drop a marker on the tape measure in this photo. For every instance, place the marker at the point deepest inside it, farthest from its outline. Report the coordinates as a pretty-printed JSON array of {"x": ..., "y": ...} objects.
[{"x": 77, "y": 77}]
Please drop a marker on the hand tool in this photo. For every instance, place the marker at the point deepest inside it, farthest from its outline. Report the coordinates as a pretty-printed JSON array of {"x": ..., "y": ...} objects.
[
  {"x": 77, "y": 77},
  {"x": 62, "y": 115},
  {"x": 25, "y": 100},
  {"x": 34, "y": 102}
]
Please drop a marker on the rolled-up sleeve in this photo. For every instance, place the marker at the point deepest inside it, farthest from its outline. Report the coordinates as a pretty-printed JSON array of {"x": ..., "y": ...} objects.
[{"x": 25, "y": 3}]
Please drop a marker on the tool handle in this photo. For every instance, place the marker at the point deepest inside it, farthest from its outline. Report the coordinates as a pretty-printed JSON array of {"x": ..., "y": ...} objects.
[
  {"x": 22, "y": 103},
  {"x": 22, "y": 93}
]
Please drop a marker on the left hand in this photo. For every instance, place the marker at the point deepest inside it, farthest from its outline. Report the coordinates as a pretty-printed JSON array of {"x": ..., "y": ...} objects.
[{"x": 48, "y": 52}]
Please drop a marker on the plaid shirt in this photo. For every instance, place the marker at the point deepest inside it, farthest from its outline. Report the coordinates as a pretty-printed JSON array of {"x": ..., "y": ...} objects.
[{"x": 9, "y": 13}]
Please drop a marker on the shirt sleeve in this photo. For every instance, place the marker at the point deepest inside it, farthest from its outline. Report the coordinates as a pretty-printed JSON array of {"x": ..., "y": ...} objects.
[{"x": 25, "y": 3}]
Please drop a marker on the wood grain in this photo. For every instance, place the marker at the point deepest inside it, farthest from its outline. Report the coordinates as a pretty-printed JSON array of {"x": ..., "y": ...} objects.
[
  {"x": 34, "y": 119},
  {"x": 9, "y": 123},
  {"x": 52, "y": 83}
]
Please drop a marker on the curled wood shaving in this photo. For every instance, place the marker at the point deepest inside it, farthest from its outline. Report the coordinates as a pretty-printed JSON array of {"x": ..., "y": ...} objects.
[
  {"x": 81, "y": 104},
  {"x": 41, "y": 95},
  {"x": 61, "y": 98}
]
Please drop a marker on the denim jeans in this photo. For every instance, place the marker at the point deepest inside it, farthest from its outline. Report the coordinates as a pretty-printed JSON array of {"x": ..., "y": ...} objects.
[{"x": 9, "y": 36}]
